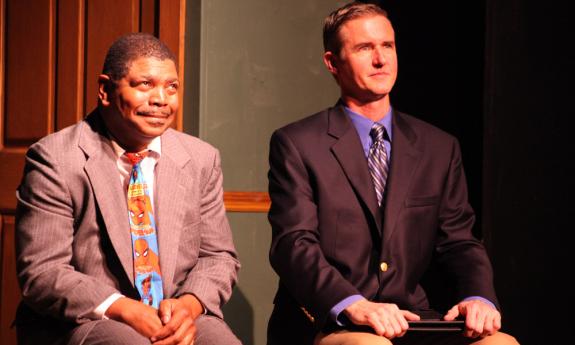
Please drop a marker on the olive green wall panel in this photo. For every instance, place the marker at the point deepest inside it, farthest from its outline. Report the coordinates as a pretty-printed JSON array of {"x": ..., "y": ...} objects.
[{"x": 257, "y": 66}]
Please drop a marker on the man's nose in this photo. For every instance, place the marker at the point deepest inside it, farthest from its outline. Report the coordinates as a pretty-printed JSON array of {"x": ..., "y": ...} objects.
[
  {"x": 378, "y": 58},
  {"x": 158, "y": 97}
]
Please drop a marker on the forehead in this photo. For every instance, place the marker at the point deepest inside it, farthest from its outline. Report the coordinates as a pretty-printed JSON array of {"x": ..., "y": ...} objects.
[
  {"x": 367, "y": 28},
  {"x": 153, "y": 67}
]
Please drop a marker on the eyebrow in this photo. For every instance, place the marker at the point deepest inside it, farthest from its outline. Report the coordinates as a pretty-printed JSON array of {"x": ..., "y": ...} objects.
[
  {"x": 362, "y": 44},
  {"x": 147, "y": 76}
]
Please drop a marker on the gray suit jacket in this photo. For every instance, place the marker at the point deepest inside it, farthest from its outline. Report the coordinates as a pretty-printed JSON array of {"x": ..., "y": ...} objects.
[{"x": 72, "y": 231}]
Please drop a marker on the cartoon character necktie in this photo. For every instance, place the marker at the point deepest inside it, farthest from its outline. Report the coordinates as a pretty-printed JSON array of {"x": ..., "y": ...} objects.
[{"x": 147, "y": 275}]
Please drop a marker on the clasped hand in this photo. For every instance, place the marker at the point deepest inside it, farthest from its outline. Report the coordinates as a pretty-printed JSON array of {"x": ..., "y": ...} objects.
[{"x": 171, "y": 324}]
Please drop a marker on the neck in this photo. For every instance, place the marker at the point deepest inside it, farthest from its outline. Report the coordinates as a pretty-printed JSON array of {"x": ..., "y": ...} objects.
[
  {"x": 373, "y": 110},
  {"x": 118, "y": 134}
]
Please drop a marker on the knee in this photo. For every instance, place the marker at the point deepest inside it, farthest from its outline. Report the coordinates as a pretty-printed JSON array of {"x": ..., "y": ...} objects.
[
  {"x": 111, "y": 332},
  {"x": 501, "y": 338},
  {"x": 507, "y": 339},
  {"x": 351, "y": 338},
  {"x": 366, "y": 339},
  {"x": 211, "y": 330}
]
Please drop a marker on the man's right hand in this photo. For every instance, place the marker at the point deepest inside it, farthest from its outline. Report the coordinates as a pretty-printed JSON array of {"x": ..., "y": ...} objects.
[
  {"x": 143, "y": 318},
  {"x": 385, "y": 318}
]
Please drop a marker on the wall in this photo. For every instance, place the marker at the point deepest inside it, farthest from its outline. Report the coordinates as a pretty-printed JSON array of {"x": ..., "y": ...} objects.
[{"x": 260, "y": 68}]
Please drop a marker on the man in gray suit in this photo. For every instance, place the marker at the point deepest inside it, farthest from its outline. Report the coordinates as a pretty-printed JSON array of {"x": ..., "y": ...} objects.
[{"x": 75, "y": 255}]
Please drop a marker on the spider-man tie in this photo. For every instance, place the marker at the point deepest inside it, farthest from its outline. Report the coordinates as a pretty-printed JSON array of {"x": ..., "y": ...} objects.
[{"x": 147, "y": 275}]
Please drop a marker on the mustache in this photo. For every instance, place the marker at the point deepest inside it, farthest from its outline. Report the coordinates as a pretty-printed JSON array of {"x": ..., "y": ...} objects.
[{"x": 152, "y": 112}]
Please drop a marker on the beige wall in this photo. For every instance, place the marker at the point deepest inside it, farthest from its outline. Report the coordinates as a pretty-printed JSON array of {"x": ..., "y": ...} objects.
[{"x": 260, "y": 68}]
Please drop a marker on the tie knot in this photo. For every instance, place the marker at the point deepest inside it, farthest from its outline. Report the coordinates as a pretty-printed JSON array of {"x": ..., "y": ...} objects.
[
  {"x": 136, "y": 158},
  {"x": 377, "y": 132}
]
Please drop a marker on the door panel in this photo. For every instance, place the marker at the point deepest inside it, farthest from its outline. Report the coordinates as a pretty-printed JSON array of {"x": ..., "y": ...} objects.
[
  {"x": 29, "y": 66},
  {"x": 51, "y": 53}
]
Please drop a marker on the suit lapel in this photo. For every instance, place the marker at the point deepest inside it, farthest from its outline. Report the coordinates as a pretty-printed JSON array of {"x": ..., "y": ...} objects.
[
  {"x": 170, "y": 205},
  {"x": 349, "y": 153},
  {"x": 102, "y": 172},
  {"x": 404, "y": 160}
]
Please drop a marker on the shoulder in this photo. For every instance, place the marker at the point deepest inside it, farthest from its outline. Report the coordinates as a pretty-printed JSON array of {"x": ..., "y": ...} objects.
[
  {"x": 189, "y": 142},
  {"x": 176, "y": 143},
  {"x": 308, "y": 124},
  {"x": 63, "y": 137},
  {"x": 305, "y": 130},
  {"x": 420, "y": 132},
  {"x": 61, "y": 144}
]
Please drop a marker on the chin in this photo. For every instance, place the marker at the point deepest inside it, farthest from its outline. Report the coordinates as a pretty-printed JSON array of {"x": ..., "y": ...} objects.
[
  {"x": 154, "y": 132},
  {"x": 156, "y": 125}
]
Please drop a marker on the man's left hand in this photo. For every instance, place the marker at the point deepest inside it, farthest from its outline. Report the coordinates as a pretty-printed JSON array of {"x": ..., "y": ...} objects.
[
  {"x": 481, "y": 319},
  {"x": 178, "y": 316}
]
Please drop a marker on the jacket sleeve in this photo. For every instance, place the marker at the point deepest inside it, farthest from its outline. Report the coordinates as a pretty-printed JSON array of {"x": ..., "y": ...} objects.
[
  {"x": 44, "y": 236},
  {"x": 212, "y": 278},
  {"x": 459, "y": 253}
]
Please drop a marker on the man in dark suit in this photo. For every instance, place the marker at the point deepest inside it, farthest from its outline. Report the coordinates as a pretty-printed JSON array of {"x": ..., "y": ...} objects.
[
  {"x": 364, "y": 200},
  {"x": 88, "y": 253}
]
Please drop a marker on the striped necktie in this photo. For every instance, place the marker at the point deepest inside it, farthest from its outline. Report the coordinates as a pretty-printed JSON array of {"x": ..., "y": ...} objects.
[
  {"x": 147, "y": 276},
  {"x": 377, "y": 160}
]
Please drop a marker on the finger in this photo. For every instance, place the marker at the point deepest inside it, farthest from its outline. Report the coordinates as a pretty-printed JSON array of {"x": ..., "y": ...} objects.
[
  {"x": 469, "y": 333},
  {"x": 179, "y": 334},
  {"x": 374, "y": 321},
  {"x": 452, "y": 314},
  {"x": 401, "y": 322},
  {"x": 497, "y": 322},
  {"x": 493, "y": 323},
  {"x": 393, "y": 327},
  {"x": 409, "y": 315},
  {"x": 480, "y": 320},
  {"x": 186, "y": 329},
  {"x": 470, "y": 317},
  {"x": 165, "y": 310},
  {"x": 188, "y": 340},
  {"x": 176, "y": 320},
  {"x": 489, "y": 323},
  {"x": 389, "y": 332}
]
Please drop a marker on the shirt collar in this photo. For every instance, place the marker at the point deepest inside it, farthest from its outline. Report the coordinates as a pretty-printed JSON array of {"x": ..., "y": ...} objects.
[
  {"x": 155, "y": 146},
  {"x": 363, "y": 125}
]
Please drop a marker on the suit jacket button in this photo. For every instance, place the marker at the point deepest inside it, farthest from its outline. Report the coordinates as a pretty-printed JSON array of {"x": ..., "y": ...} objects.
[{"x": 383, "y": 266}]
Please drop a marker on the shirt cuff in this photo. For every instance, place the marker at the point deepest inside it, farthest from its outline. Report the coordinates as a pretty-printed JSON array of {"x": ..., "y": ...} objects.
[
  {"x": 482, "y": 299},
  {"x": 340, "y": 307},
  {"x": 100, "y": 312}
]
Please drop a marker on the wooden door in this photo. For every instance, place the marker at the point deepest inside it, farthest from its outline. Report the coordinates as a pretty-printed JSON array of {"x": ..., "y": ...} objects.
[{"x": 50, "y": 55}]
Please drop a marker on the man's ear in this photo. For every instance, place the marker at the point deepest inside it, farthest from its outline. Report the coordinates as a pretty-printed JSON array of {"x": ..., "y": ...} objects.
[
  {"x": 104, "y": 89},
  {"x": 330, "y": 61}
]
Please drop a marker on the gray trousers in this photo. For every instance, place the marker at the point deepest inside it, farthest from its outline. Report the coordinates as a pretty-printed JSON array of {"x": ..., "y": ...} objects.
[{"x": 210, "y": 330}]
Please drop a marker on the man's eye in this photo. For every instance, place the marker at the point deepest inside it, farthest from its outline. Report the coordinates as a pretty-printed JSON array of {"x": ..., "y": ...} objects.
[{"x": 144, "y": 83}]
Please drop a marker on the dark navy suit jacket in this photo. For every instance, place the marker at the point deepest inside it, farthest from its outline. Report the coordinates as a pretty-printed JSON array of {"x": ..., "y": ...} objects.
[{"x": 331, "y": 240}]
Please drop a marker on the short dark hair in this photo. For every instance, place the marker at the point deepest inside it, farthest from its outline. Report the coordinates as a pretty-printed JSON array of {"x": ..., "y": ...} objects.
[
  {"x": 335, "y": 20},
  {"x": 131, "y": 47}
]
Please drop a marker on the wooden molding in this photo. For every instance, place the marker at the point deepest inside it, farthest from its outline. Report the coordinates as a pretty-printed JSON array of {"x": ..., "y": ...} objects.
[{"x": 247, "y": 201}]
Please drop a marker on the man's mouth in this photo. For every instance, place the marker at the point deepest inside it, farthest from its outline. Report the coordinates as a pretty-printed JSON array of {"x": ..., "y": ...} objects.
[{"x": 158, "y": 114}]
